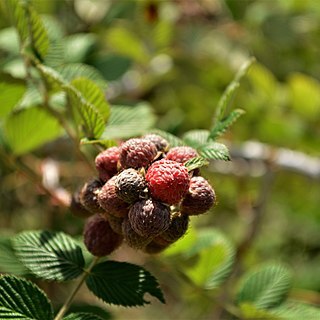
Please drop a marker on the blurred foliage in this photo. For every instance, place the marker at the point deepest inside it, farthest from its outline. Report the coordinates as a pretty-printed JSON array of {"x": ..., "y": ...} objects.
[{"x": 179, "y": 56}]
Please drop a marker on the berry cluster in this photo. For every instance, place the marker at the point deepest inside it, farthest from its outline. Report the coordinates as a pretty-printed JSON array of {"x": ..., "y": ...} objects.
[{"x": 144, "y": 195}]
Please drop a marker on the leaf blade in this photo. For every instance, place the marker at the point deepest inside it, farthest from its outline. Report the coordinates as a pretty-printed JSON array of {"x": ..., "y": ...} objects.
[
  {"x": 265, "y": 287},
  {"x": 49, "y": 255},
  {"x": 122, "y": 283},
  {"x": 215, "y": 151},
  {"x": 21, "y": 299}
]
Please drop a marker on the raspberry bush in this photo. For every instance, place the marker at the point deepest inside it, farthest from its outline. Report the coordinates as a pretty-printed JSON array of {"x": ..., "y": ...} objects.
[{"x": 144, "y": 187}]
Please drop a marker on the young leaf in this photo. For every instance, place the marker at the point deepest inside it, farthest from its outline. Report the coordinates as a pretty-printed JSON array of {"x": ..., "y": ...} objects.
[
  {"x": 266, "y": 287},
  {"x": 173, "y": 140},
  {"x": 11, "y": 92},
  {"x": 82, "y": 316},
  {"x": 85, "y": 114},
  {"x": 221, "y": 127},
  {"x": 214, "y": 150},
  {"x": 230, "y": 91},
  {"x": 39, "y": 37},
  {"x": 296, "y": 310},
  {"x": 49, "y": 255},
  {"x": 196, "y": 138},
  {"x": 30, "y": 128},
  {"x": 92, "y": 94},
  {"x": 9, "y": 263},
  {"x": 195, "y": 163},
  {"x": 21, "y": 299},
  {"x": 126, "y": 122},
  {"x": 215, "y": 259},
  {"x": 122, "y": 283},
  {"x": 52, "y": 78},
  {"x": 71, "y": 71},
  {"x": 249, "y": 311}
]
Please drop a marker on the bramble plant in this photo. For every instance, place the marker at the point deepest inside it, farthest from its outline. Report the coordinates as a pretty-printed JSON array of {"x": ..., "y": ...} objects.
[{"x": 146, "y": 185}]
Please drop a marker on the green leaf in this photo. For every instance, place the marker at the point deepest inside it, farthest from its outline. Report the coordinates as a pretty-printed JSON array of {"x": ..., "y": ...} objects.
[
  {"x": 126, "y": 43},
  {"x": 71, "y": 71},
  {"x": 77, "y": 46},
  {"x": 93, "y": 94},
  {"x": 9, "y": 41},
  {"x": 9, "y": 262},
  {"x": 82, "y": 316},
  {"x": 122, "y": 283},
  {"x": 11, "y": 92},
  {"x": 52, "y": 78},
  {"x": 196, "y": 138},
  {"x": 86, "y": 114},
  {"x": 39, "y": 37},
  {"x": 49, "y": 255},
  {"x": 222, "y": 126},
  {"x": 265, "y": 287},
  {"x": 126, "y": 122},
  {"x": 215, "y": 259},
  {"x": 21, "y": 299},
  {"x": 173, "y": 140},
  {"x": 90, "y": 308},
  {"x": 231, "y": 90},
  {"x": 293, "y": 310},
  {"x": 30, "y": 128},
  {"x": 29, "y": 26},
  {"x": 196, "y": 162},
  {"x": 249, "y": 311},
  {"x": 214, "y": 150}
]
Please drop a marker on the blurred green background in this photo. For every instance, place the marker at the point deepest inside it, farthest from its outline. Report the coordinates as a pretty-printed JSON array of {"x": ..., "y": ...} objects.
[{"x": 179, "y": 56}]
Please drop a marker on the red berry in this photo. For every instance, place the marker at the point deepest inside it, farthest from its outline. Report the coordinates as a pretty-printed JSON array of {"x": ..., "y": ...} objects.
[
  {"x": 106, "y": 163},
  {"x": 181, "y": 154},
  {"x": 149, "y": 218},
  {"x": 137, "y": 153},
  {"x": 200, "y": 197},
  {"x": 109, "y": 200},
  {"x": 168, "y": 181},
  {"x": 99, "y": 238}
]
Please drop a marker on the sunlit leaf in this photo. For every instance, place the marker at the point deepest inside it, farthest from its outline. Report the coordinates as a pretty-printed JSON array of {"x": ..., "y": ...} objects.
[
  {"x": 196, "y": 162},
  {"x": 92, "y": 94},
  {"x": 86, "y": 115},
  {"x": 122, "y": 283},
  {"x": 222, "y": 126},
  {"x": 21, "y": 299},
  {"x": 215, "y": 151},
  {"x": 196, "y": 138},
  {"x": 126, "y": 122},
  {"x": 49, "y": 255},
  {"x": 11, "y": 92},
  {"x": 82, "y": 316},
  {"x": 30, "y": 128},
  {"x": 265, "y": 287}
]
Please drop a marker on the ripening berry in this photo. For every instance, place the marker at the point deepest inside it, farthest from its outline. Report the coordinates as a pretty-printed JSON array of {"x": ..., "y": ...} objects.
[
  {"x": 109, "y": 200},
  {"x": 115, "y": 223},
  {"x": 132, "y": 238},
  {"x": 149, "y": 218},
  {"x": 161, "y": 144},
  {"x": 130, "y": 186},
  {"x": 154, "y": 247},
  {"x": 200, "y": 197},
  {"x": 99, "y": 238},
  {"x": 88, "y": 196},
  {"x": 77, "y": 208},
  {"x": 178, "y": 227},
  {"x": 106, "y": 163},
  {"x": 137, "y": 153},
  {"x": 168, "y": 181},
  {"x": 181, "y": 154}
]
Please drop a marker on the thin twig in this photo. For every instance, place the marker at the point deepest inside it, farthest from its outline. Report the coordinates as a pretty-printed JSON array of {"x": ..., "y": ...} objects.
[{"x": 68, "y": 302}]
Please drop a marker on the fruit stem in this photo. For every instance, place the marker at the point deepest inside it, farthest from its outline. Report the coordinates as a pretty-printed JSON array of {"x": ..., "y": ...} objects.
[{"x": 70, "y": 299}]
